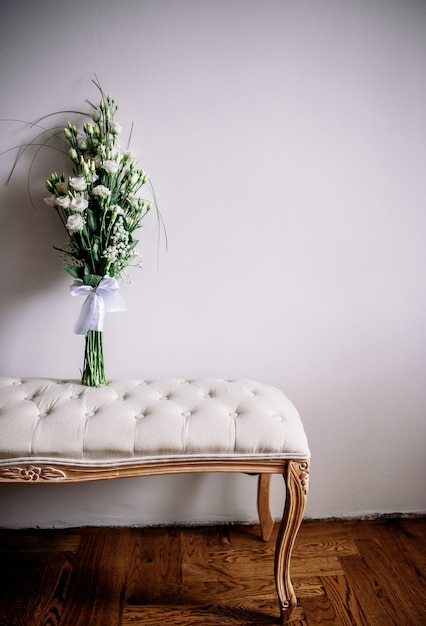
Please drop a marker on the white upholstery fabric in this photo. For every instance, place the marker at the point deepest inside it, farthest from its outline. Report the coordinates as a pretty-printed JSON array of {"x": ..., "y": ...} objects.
[{"x": 46, "y": 419}]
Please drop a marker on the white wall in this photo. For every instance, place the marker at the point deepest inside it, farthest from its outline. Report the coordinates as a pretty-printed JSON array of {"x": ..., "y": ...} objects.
[{"x": 287, "y": 143}]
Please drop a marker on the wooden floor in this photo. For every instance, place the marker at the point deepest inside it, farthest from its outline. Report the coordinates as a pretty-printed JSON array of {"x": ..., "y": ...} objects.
[{"x": 362, "y": 572}]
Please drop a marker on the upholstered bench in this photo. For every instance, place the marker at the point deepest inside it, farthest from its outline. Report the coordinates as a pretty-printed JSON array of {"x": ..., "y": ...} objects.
[{"x": 59, "y": 431}]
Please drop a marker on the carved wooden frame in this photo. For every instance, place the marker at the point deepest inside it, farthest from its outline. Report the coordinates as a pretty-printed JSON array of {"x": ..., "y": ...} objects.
[{"x": 295, "y": 474}]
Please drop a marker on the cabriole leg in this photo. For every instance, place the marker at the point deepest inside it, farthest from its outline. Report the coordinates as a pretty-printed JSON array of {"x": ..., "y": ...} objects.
[{"x": 296, "y": 479}]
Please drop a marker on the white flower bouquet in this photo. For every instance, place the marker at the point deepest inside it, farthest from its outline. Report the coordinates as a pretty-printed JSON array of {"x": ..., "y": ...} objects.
[{"x": 100, "y": 207}]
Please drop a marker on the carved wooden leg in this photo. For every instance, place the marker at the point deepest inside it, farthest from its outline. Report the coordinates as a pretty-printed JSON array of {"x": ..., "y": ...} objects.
[
  {"x": 265, "y": 515},
  {"x": 296, "y": 479}
]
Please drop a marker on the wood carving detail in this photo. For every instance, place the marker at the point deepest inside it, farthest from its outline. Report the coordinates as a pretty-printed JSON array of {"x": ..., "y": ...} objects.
[
  {"x": 31, "y": 473},
  {"x": 304, "y": 476}
]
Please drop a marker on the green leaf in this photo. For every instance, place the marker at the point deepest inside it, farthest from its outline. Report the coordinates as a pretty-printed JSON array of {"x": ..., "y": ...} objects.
[
  {"x": 74, "y": 270},
  {"x": 92, "y": 222},
  {"x": 95, "y": 250},
  {"x": 92, "y": 280}
]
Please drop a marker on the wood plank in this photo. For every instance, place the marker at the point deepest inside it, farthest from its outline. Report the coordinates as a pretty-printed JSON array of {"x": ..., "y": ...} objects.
[
  {"x": 191, "y": 615},
  {"x": 406, "y": 544},
  {"x": 394, "y": 574},
  {"x": 54, "y": 588},
  {"x": 341, "y": 596},
  {"x": 36, "y": 541},
  {"x": 334, "y": 548},
  {"x": 200, "y": 591},
  {"x": 155, "y": 561},
  {"x": 241, "y": 573},
  {"x": 96, "y": 588},
  {"x": 192, "y": 546},
  {"x": 367, "y": 587},
  {"x": 20, "y": 578}
]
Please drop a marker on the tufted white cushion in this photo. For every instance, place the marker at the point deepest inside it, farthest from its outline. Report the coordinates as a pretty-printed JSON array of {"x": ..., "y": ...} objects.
[{"x": 130, "y": 420}]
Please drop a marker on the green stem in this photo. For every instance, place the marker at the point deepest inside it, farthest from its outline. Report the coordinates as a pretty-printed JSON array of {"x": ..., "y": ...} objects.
[{"x": 93, "y": 368}]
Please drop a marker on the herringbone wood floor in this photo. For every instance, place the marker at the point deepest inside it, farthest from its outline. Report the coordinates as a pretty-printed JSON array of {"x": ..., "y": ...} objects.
[{"x": 344, "y": 572}]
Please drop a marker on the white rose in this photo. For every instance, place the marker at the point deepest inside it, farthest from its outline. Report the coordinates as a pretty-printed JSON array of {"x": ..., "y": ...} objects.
[
  {"x": 50, "y": 201},
  {"x": 78, "y": 183},
  {"x": 101, "y": 191},
  {"x": 79, "y": 203},
  {"x": 63, "y": 201},
  {"x": 75, "y": 223},
  {"x": 111, "y": 167}
]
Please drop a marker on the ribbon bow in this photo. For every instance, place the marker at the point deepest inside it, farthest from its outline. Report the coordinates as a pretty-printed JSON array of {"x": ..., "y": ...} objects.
[{"x": 104, "y": 297}]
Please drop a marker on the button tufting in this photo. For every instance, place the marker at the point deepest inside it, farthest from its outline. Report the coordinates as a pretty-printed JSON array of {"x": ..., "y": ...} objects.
[{"x": 244, "y": 419}]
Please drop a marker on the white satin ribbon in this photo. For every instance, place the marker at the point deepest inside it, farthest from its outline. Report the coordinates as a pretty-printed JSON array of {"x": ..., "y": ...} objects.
[{"x": 104, "y": 297}]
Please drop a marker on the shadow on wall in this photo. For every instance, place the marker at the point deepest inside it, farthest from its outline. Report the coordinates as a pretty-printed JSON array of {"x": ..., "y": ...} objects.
[{"x": 29, "y": 228}]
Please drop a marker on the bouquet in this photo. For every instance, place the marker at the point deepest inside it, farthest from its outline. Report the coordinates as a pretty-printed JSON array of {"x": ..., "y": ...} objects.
[{"x": 100, "y": 208}]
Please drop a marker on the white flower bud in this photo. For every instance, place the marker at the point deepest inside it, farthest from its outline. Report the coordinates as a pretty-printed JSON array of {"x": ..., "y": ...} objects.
[
  {"x": 62, "y": 187},
  {"x": 73, "y": 154},
  {"x": 82, "y": 143}
]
